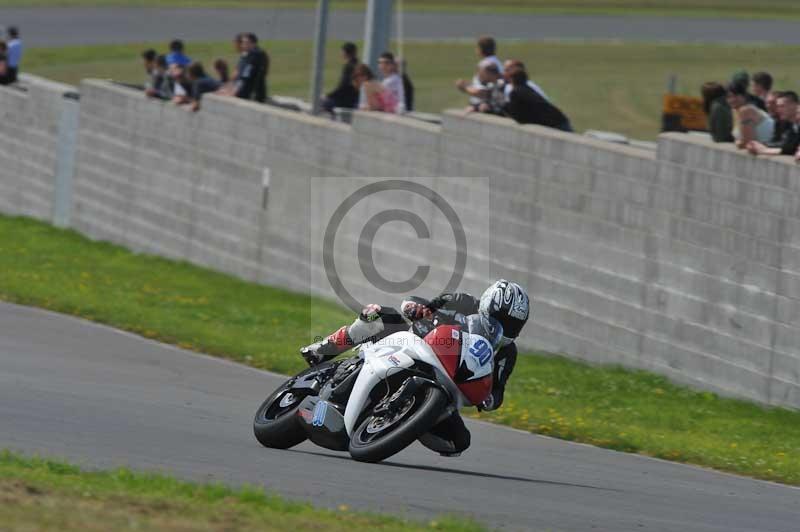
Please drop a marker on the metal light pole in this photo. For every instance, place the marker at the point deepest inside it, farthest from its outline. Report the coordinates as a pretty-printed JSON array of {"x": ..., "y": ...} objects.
[
  {"x": 319, "y": 55},
  {"x": 377, "y": 31}
]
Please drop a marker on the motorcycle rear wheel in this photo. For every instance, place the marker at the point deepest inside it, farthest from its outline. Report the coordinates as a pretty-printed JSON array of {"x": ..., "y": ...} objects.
[
  {"x": 275, "y": 424},
  {"x": 379, "y": 435}
]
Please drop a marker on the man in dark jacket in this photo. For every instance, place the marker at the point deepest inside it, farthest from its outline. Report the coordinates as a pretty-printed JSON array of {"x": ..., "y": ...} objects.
[
  {"x": 345, "y": 94},
  {"x": 252, "y": 70},
  {"x": 527, "y": 106}
]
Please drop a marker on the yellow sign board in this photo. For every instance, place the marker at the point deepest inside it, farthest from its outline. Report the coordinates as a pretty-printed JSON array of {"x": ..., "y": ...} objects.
[{"x": 689, "y": 109}]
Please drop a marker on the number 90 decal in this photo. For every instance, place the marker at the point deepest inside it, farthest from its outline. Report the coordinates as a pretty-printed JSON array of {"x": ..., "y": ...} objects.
[{"x": 482, "y": 351}]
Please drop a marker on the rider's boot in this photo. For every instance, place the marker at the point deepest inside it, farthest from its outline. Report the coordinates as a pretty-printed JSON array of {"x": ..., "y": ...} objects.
[
  {"x": 319, "y": 352},
  {"x": 449, "y": 438},
  {"x": 367, "y": 326}
]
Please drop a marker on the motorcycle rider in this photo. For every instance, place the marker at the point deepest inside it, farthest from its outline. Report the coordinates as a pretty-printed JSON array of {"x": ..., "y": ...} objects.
[{"x": 505, "y": 301}]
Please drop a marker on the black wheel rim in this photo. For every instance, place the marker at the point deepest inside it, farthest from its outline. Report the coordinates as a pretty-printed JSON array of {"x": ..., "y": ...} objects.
[{"x": 377, "y": 425}]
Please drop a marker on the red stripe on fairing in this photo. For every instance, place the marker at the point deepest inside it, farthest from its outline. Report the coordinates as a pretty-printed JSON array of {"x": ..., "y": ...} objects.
[
  {"x": 478, "y": 390},
  {"x": 446, "y": 348}
]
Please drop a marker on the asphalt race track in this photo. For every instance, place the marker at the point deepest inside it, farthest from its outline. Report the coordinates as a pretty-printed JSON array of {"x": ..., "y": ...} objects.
[
  {"x": 102, "y": 398},
  {"x": 88, "y": 25}
]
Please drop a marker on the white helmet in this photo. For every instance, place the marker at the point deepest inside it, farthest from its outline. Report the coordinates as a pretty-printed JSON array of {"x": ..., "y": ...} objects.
[{"x": 509, "y": 304}]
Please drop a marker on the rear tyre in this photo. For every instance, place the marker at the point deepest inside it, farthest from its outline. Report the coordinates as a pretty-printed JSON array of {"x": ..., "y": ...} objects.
[
  {"x": 381, "y": 435},
  {"x": 275, "y": 424}
]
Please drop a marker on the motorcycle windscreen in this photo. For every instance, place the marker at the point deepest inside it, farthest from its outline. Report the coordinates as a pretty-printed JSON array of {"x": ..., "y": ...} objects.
[{"x": 467, "y": 354}]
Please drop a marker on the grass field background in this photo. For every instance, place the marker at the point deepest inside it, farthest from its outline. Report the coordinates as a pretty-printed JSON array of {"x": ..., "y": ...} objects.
[
  {"x": 264, "y": 327},
  {"x": 43, "y": 494},
  {"x": 612, "y": 86},
  {"x": 773, "y": 9}
]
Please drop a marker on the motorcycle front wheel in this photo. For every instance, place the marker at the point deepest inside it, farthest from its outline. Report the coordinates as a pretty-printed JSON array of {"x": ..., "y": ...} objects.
[{"x": 383, "y": 433}]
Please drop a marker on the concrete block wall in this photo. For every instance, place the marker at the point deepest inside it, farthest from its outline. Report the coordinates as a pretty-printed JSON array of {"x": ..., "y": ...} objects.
[
  {"x": 30, "y": 114},
  {"x": 685, "y": 262}
]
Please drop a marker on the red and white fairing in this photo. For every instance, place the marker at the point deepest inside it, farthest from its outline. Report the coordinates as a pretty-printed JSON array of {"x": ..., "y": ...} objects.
[
  {"x": 466, "y": 358},
  {"x": 463, "y": 362}
]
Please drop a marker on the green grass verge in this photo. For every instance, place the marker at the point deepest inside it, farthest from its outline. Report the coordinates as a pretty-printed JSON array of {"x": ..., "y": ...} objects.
[
  {"x": 600, "y": 85},
  {"x": 764, "y": 9},
  {"x": 40, "y": 494},
  {"x": 198, "y": 309}
]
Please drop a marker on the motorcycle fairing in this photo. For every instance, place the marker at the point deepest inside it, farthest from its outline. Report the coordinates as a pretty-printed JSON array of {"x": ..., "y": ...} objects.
[
  {"x": 467, "y": 359},
  {"x": 323, "y": 422}
]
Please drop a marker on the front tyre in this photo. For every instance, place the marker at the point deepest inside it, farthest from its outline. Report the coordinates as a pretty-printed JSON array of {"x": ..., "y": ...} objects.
[
  {"x": 275, "y": 424},
  {"x": 382, "y": 434}
]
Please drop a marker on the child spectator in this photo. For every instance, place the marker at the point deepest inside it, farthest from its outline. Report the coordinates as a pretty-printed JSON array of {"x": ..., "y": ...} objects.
[
  {"x": 394, "y": 95},
  {"x": 201, "y": 83},
  {"x": 160, "y": 84},
  {"x": 371, "y": 91},
  {"x": 489, "y": 95},
  {"x": 790, "y": 140},
  {"x": 527, "y": 106},
  {"x": 720, "y": 116},
  {"x": 13, "y": 54},
  {"x": 345, "y": 94},
  {"x": 749, "y": 122},
  {"x": 176, "y": 55}
]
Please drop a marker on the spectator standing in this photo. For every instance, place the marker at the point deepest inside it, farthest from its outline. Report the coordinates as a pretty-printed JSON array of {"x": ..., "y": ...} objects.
[
  {"x": 749, "y": 122},
  {"x": 262, "y": 68},
  {"x": 720, "y": 116},
  {"x": 762, "y": 85},
  {"x": 512, "y": 64},
  {"x": 345, "y": 94},
  {"x": 408, "y": 87},
  {"x": 527, "y": 106},
  {"x": 14, "y": 53},
  {"x": 742, "y": 78},
  {"x": 393, "y": 93},
  {"x": 371, "y": 91},
  {"x": 790, "y": 140},
  {"x": 250, "y": 83},
  {"x": 487, "y": 51},
  {"x": 176, "y": 55}
]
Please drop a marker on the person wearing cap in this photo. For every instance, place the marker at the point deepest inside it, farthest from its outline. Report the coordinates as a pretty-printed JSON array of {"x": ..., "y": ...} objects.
[{"x": 750, "y": 122}]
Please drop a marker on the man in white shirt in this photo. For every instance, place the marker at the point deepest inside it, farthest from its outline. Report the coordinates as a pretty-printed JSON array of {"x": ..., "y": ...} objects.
[
  {"x": 14, "y": 53},
  {"x": 392, "y": 83},
  {"x": 512, "y": 64}
]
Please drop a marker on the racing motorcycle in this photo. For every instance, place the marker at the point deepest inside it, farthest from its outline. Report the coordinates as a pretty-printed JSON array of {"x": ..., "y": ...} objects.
[{"x": 379, "y": 401}]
